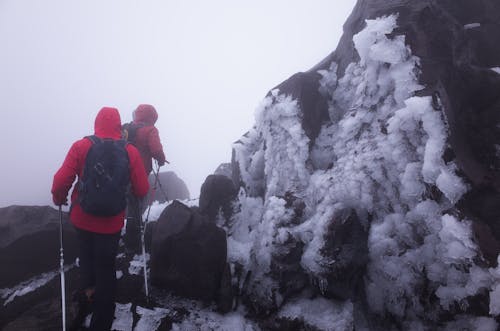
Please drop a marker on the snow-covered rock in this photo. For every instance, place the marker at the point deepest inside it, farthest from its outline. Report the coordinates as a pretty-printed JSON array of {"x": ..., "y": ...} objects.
[{"x": 401, "y": 144}]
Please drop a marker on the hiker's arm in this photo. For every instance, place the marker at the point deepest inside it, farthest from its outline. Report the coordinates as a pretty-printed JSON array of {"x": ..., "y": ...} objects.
[
  {"x": 65, "y": 176},
  {"x": 155, "y": 146},
  {"x": 138, "y": 176}
]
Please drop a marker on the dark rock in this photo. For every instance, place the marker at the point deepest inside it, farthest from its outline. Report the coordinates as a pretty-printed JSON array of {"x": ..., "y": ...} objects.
[
  {"x": 43, "y": 316},
  {"x": 224, "y": 169},
  {"x": 29, "y": 242},
  {"x": 225, "y": 296},
  {"x": 41, "y": 308},
  {"x": 188, "y": 255},
  {"x": 346, "y": 247},
  {"x": 169, "y": 187},
  {"x": 285, "y": 324},
  {"x": 217, "y": 194},
  {"x": 304, "y": 87}
]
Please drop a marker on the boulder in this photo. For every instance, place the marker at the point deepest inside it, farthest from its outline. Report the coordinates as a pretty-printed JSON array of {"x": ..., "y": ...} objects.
[
  {"x": 29, "y": 242},
  {"x": 188, "y": 253},
  {"x": 217, "y": 194},
  {"x": 30, "y": 255},
  {"x": 169, "y": 187}
]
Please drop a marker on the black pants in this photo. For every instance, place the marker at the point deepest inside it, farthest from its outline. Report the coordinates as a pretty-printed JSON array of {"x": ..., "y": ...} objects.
[
  {"x": 132, "y": 237},
  {"x": 98, "y": 270}
]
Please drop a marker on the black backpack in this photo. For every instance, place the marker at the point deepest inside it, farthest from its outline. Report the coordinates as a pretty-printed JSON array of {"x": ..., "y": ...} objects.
[
  {"x": 105, "y": 179},
  {"x": 129, "y": 131}
]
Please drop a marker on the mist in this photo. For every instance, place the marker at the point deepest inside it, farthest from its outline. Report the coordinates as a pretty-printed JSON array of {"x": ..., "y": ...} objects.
[{"x": 205, "y": 66}]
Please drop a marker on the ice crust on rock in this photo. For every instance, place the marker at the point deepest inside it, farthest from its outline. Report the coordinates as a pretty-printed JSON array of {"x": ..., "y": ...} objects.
[{"x": 381, "y": 153}]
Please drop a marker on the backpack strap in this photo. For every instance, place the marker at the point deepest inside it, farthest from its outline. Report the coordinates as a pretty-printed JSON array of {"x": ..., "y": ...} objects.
[{"x": 94, "y": 139}]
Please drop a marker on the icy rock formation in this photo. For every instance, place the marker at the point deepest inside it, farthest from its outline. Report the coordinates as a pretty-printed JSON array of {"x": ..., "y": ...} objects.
[{"x": 395, "y": 133}]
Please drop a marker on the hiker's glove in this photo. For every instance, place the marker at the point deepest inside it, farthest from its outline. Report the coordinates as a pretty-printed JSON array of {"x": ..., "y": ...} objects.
[
  {"x": 60, "y": 201},
  {"x": 161, "y": 163}
]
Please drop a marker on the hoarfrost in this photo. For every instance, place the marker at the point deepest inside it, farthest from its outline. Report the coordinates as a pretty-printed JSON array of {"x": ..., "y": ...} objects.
[{"x": 381, "y": 154}]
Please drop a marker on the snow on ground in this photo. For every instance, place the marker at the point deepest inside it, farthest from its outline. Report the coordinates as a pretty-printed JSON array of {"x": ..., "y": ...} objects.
[
  {"x": 472, "y": 26},
  {"x": 149, "y": 319},
  {"x": 136, "y": 265},
  {"x": 321, "y": 313},
  {"x": 209, "y": 321},
  {"x": 496, "y": 69},
  {"x": 157, "y": 208},
  {"x": 123, "y": 317}
]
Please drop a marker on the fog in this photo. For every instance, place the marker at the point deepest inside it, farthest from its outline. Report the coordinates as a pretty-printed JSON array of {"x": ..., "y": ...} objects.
[{"x": 204, "y": 65}]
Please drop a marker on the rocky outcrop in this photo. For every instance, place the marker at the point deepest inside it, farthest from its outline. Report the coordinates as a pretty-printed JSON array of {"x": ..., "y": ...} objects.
[
  {"x": 217, "y": 195},
  {"x": 454, "y": 41},
  {"x": 29, "y": 242},
  {"x": 392, "y": 143},
  {"x": 29, "y": 256},
  {"x": 188, "y": 253},
  {"x": 168, "y": 187}
]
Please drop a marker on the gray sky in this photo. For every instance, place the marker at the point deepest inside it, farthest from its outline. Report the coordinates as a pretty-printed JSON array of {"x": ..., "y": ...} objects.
[{"x": 204, "y": 65}]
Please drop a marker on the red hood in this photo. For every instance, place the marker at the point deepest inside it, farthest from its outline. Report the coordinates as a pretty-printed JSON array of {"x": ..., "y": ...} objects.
[
  {"x": 108, "y": 123},
  {"x": 145, "y": 114}
]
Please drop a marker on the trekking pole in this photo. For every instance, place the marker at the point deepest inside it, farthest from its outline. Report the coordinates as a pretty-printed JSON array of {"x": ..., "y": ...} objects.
[
  {"x": 143, "y": 233},
  {"x": 61, "y": 270},
  {"x": 157, "y": 181}
]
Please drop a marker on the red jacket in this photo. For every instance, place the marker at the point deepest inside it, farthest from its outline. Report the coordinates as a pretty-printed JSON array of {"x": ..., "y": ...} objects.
[
  {"x": 107, "y": 125},
  {"x": 147, "y": 138}
]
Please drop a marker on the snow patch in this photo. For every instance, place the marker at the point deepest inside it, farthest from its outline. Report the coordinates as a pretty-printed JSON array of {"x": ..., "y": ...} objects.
[
  {"x": 123, "y": 317},
  {"x": 496, "y": 69},
  {"x": 137, "y": 264},
  {"x": 472, "y": 26},
  {"x": 321, "y": 313},
  {"x": 206, "y": 321},
  {"x": 150, "y": 319}
]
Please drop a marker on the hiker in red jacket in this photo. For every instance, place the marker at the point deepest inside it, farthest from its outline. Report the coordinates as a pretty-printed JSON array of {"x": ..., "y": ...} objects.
[
  {"x": 147, "y": 140},
  {"x": 98, "y": 236}
]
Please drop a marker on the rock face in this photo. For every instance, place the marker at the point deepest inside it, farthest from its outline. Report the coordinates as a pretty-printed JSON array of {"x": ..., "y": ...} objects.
[
  {"x": 170, "y": 187},
  {"x": 454, "y": 41},
  {"x": 391, "y": 145},
  {"x": 29, "y": 242},
  {"x": 29, "y": 256},
  {"x": 188, "y": 253}
]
